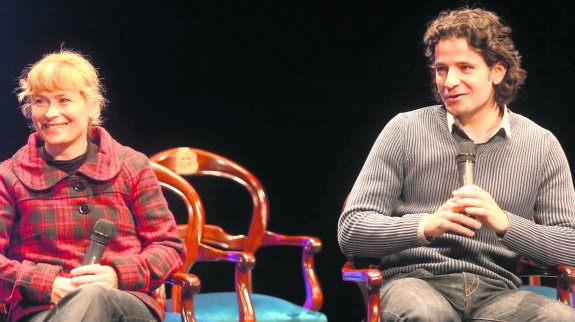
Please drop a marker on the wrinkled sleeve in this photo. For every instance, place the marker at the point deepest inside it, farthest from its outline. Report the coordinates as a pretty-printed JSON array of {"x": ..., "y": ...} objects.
[
  {"x": 367, "y": 227},
  {"x": 163, "y": 251},
  {"x": 550, "y": 237},
  {"x": 20, "y": 280}
]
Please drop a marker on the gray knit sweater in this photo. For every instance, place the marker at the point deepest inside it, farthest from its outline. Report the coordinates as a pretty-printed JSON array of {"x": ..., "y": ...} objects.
[{"x": 411, "y": 171}]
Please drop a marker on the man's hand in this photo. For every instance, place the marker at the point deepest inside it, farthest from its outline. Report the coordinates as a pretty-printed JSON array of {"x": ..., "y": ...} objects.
[
  {"x": 94, "y": 273},
  {"x": 62, "y": 286},
  {"x": 449, "y": 218},
  {"x": 479, "y": 204}
]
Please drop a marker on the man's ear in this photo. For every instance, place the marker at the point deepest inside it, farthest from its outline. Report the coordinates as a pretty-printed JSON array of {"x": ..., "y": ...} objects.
[{"x": 498, "y": 72}]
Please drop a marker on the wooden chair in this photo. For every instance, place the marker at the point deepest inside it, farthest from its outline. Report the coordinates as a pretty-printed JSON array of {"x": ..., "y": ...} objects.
[
  {"x": 191, "y": 162},
  {"x": 368, "y": 278},
  {"x": 367, "y": 275},
  {"x": 191, "y": 232},
  {"x": 564, "y": 280},
  {"x": 187, "y": 285}
]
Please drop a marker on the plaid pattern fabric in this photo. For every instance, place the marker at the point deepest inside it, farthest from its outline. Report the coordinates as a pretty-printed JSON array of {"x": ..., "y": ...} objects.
[{"x": 47, "y": 216}]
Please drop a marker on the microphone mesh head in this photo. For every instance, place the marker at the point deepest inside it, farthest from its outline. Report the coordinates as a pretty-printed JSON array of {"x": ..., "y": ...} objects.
[
  {"x": 103, "y": 230},
  {"x": 465, "y": 152}
]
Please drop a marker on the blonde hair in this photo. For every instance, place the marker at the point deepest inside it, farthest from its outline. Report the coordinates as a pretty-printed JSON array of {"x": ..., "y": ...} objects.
[{"x": 64, "y": 70}]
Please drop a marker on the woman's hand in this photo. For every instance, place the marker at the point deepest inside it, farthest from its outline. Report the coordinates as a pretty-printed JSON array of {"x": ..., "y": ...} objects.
[
  {"x": 62, "y": 286},
  {"x": 95, "y": 273}
]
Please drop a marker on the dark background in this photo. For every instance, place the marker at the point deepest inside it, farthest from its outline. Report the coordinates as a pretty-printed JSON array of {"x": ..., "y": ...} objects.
[{"x": 296, "y": 91}]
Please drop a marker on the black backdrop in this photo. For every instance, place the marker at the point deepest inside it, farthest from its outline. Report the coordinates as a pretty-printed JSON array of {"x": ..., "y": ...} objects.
[{"x": 296, "y": 91}]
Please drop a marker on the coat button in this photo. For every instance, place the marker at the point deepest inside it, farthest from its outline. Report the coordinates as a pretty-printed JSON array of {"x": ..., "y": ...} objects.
[
  {"x": 84, "y": 208},
  {"x": 79, "y": 186}
]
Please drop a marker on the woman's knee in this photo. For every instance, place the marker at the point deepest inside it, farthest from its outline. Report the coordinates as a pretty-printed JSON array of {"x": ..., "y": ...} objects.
[{"x": 94, "y": 293}]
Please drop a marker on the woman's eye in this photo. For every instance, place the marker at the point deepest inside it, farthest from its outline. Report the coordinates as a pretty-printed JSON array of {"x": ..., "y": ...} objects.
[{"x": 39, "y": 102}]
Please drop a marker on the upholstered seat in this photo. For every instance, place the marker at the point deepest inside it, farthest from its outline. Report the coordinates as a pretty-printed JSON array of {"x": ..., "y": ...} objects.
[{"x": 207, "y": 307}]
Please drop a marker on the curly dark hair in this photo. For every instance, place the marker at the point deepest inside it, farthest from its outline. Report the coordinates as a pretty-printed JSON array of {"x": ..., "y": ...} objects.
[{"x": 489, "y": 36}]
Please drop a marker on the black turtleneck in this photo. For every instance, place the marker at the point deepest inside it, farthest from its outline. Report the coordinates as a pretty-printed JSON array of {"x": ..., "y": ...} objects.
[{"x": 69, "y": 166}]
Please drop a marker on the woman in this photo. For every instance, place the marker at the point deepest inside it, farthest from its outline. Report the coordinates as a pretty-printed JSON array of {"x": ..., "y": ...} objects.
[{"x": 71, "y": 174}]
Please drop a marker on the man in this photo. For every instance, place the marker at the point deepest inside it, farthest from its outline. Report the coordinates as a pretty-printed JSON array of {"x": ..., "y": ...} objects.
[{"x": 448, "y": 253}]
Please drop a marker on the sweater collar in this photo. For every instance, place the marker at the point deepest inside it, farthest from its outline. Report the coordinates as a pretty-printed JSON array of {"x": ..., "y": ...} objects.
[
  {"x": 504, "y": 124},
  {"x": 36, "y": 174}
]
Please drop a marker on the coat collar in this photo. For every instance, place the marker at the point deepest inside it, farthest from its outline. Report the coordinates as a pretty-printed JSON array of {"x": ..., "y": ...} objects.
[{"x": 36, "y": 174}]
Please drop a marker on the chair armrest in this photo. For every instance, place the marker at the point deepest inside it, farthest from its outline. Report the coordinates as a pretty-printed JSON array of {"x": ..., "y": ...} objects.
[
  {"x": 565, "y": 276},
  {"x": 565, "y": 283},
  {"x": 527, "y": 267},
  {"x": 310, "y": 246},
  {"x": 216, "y": 236},
  {"x": 369, "y": 281},
  {"x": 186, "y": 285},
  {"x": 370, "y": 277},
  {"x": 245, "y": 262}
]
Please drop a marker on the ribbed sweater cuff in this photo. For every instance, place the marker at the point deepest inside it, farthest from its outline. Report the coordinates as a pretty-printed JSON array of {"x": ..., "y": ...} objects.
[{"x": 421, "y": 233}]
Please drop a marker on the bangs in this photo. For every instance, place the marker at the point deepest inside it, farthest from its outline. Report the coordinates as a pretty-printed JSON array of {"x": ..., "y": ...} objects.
[{"x": 54, "y": 77}]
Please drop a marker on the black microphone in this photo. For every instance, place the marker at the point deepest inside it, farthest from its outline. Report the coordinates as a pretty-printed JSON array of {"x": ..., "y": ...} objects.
[
  {"x": 103, "y": 229},
  {"x": 465, "y": 162}
]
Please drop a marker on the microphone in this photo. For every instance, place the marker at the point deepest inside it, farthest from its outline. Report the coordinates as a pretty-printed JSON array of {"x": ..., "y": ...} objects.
[
  {"x": 465, "y": 162},
  {"x": 103, "y": 229}
]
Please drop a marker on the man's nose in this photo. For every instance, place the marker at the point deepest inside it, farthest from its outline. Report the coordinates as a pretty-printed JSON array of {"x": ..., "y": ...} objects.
[{"x": 452, "y": 79}]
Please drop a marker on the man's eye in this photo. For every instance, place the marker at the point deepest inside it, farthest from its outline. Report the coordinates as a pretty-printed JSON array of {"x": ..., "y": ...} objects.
[{"x": 441, "y": 70}]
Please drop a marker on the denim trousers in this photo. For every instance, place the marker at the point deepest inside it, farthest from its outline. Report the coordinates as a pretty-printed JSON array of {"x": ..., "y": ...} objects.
[
  {"x": 422, "y": 296},
  {"x": 96, "y": 303}
]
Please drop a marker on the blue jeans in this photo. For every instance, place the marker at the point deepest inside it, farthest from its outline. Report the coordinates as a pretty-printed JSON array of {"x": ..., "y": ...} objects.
[
  {"x": 96, "y": 303},
  {"x": 422, "y": 296}
]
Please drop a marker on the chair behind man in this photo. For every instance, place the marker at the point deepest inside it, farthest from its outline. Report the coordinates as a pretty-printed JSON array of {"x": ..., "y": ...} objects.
[
  {"x": 366, "y": 273},
  {"x": 191, "y": 162}
]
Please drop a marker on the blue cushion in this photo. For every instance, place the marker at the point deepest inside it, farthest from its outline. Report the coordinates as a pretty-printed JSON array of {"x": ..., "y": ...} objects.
[
  {"x": 543, "y": 290},
  {"x": 173, "y": 317},
  {"x": 223, "y": 306}
]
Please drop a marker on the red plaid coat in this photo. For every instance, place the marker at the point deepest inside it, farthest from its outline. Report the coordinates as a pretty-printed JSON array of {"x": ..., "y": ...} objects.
[{"x": 47, "y": 216}]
